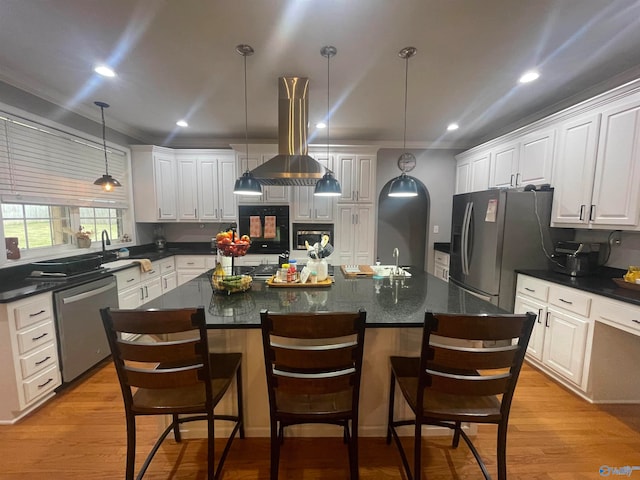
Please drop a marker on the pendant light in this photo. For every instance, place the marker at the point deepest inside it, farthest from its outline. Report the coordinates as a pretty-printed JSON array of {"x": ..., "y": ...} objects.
[
  {"x": 246, "y": 184},
  {"x": 106, "y": 181},
  {"x": 404, "y": 185},
  {"x": 328, "y": 186}
]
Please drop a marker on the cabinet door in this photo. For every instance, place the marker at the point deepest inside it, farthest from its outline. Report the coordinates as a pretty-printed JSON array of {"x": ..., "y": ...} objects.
[
  {"x": 345, "y": 172},
  {"x": 574, "y": 170},
  {"x": 617, "y": 179},
  {"x": 169, "y": 282},
  {"x": 536, "y": 342},
  {"x": 463, "y": 176},
  {"x": 536, "y": 158},
  {"x": 565, "y": 344},
  {"x": 187, "y": 188},
  {"x": 365, "y": 178},
  {"x": 208, "y": 182},
  {"x": 343, "y": 247},
  {"x": 165, "y": 182},
  {"x": 480, "y": 173},
  {"x": 303, "y": 204},
  {"x": 244, "y": 164},
  {"x": 441, "y": 272},
  {"x": 151, "y": 289},
  {"x": 274, "y": 193},
  {"x": 130, "y": 298},
  {"x": 227, "y": 201},
  {"x": 504, "y": 165},
  {"x": 363, "y": 236}
]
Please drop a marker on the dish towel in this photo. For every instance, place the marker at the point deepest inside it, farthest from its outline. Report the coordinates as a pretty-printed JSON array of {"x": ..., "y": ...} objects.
[
  {"x": 255, "y": 226},
  {"x": 145, "y": 264},
  {"x": 270, "y": 226}
]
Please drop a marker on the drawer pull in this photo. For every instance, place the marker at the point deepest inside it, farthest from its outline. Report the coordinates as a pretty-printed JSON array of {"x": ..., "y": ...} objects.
[
  {"x": 130, "y": 280},
  {"x": 37, "y": 313},
  {"x": 539, "y": 315},
  {"x": 45, "y": 383},
  {"x": 565, "y": 301},
  {"x": 530, "y": 289},
  {"x": 635, "y": 321},
  {"x": 39, "y": 336},
  {"x": 546, "y": 320},
  {"x": 43, "y": 360},
  {"x": 151, "y": 272}
]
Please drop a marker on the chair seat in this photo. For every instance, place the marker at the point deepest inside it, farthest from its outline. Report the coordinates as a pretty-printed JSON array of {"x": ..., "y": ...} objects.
[
  {"x": 328, "y": 404},
  {"x": 442, "y": 406}
]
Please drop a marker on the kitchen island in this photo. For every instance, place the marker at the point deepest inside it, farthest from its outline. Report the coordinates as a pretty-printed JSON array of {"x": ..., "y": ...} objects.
[{"x": 395, "y": 311}]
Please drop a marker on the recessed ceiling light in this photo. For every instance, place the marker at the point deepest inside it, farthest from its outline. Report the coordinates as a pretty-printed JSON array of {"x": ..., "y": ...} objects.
[
  {"x": 104, "y": 71},
  {"x": 452, "y": 126},
  {"x": 321, "y": 125},
  {"x": 529, "y": 76},
  {"x": 182, "y": 123}
]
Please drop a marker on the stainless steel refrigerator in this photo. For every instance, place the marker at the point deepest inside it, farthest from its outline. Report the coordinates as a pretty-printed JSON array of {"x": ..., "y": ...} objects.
[{"x": 495, "y": 232}]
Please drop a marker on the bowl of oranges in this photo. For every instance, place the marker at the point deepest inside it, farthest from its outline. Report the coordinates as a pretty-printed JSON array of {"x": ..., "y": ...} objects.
[{"x": 230, "y": 244}]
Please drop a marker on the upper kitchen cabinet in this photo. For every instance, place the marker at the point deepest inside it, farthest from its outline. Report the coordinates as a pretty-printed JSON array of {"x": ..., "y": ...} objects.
[
  {"x": 472, "y": 172},
  {"x": 271, "y": 194},
  {"x": 357, "y": 176},
  {"x": 205, "y": 185},
  {"x": 154, "y": 178},
  {"x": 599, "y": 185},
  {"x": 306, "y": 207},
  {"x": 524, "y": 160}
]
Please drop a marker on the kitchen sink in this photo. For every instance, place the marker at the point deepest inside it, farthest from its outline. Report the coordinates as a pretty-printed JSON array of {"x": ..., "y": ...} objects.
[
  {"x": 388, "y": 271},
  {"x": 116, "y": 264}
]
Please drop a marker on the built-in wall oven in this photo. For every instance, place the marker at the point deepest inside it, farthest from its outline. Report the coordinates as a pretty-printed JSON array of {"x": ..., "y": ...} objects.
[
  {"x": 311, "y": 233},
  {"x": 267, "y": 225}
]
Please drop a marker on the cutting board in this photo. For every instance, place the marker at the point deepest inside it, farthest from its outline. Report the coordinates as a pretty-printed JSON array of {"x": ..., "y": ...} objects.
[
  {"x": 352, "y": 271},
  {"x": 324, "y": 283}
]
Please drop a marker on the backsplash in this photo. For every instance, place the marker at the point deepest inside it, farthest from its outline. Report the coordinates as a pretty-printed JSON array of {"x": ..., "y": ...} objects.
[
  {"x": 180, "y": 232},
  {"x": 627, "y": 253}
]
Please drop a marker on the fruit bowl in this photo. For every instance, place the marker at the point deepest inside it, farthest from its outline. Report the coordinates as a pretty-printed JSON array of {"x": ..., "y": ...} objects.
[
  {"x": 234, "y": 249},
  {"x": 230, "y": 283}
]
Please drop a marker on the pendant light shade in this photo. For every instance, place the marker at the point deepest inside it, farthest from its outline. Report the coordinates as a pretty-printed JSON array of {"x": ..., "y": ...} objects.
[
  {"x": 328, "y": 185},
  {"x": 404, "y": 185},
  {"x": 106, "y": 181},
  {"x": 246, "y": 184}
]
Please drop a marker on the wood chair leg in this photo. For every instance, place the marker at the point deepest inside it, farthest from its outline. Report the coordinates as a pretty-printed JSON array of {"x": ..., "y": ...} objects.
[
  {"x": 176, "y": 428},
  {"x": 275, "y": 449},
  {"x": 392, "y": 394},
  {"x": 456, "y": 435},
  {"x": 240, "y": 402},
  {"x": 210, "y": 447},
  {"x": 502, "y": 451},
  {"x": 131, "y": 447},
  {"x": 417, "y": 451},
  {"x": 353, "y": 450}
]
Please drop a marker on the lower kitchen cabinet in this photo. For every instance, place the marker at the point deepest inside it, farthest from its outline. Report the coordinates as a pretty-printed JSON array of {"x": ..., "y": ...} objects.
[
  {"x": 441, "y": 265},
  {"x": 29, "y": 366},
  {"x": 190, "y": 266},
  {"x": 354, "y": 235},
  {"x": 136, "y": 287}
]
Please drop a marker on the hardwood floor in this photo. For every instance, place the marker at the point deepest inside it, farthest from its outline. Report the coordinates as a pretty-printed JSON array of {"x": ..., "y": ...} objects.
[{"x": 552, "y": 435}]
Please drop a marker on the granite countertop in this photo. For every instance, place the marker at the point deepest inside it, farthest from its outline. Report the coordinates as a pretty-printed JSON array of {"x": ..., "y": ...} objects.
[
  {"x": 388, "y": 304},
  {"x": 601, "y": 283}
]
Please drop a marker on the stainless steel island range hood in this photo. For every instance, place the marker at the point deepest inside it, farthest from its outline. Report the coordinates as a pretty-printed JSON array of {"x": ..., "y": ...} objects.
[{"x": 292, "y": 165}]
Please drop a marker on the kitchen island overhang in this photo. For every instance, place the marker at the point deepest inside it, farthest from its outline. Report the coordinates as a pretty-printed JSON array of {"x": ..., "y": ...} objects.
[{"x": 395, "y": 316}]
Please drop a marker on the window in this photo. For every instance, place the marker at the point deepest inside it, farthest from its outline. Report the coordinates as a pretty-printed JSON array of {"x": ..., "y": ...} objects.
[
  {"x": 37, "y": 226},
  {"x": 95, "y": 220}
]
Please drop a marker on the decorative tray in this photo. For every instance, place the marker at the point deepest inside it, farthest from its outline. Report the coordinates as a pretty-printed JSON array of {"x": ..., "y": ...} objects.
[
  {"x": 325, "y": 283},
  {"x": 630, "y": 286}
]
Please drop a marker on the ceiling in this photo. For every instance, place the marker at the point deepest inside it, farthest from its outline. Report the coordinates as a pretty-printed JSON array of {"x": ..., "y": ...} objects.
[{"x": 177, "y": 59}]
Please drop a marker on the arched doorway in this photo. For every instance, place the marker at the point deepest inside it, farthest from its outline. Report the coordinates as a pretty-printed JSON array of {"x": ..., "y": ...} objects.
[{"x": 403, "y": 224}]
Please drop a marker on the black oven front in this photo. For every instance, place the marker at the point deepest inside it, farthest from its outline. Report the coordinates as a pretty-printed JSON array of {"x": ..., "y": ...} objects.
[
  {"x": 267, "y": 225},
  {"x": 311, "y": 233}
]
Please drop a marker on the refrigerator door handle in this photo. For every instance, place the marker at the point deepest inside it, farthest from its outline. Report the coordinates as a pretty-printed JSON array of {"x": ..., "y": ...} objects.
[{"x": 466, "y": 223}]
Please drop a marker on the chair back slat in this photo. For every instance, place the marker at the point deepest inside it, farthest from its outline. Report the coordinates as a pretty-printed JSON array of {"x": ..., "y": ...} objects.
[
  {"x": 453, "y": 367},
  {"x": 165, "y": 378},
  {"x": 162, "y": 351},
  {"x": 312, "y": 353},
  {"x": 153, "y": 322}
]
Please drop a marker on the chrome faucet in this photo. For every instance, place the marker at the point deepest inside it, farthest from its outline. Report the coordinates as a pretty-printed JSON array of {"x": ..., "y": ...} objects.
[
  {"x": 104, "y": 243},
  {"x": 396, "y": 255}
]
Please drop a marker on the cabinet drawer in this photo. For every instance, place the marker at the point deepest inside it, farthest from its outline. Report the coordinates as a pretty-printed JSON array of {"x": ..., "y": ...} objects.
[
  {"x": 154, "y": 272},
  {"x": 42, "y": 383},
  {"x": 167, "y": 265},
  {"x": 38, "y": 360},
  {"x": 442, "y": 258},
  {"x": 31, "y": 313},
  {"x": 128, "y": 277},
  {"x": 189, "y": 261},
  {"x": 532, "y": 287},
  {"x": 570, "y": 299},
  {"x": 617, "y": 313},
  {"x": 35, "y": 337}
]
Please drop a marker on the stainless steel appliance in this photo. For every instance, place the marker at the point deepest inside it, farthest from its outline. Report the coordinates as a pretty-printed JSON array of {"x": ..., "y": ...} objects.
[
  {"x": 82, "y": 342},
  {"x": 267, "y": 225},
  {"x": 577, "y": 259},
  {"x": 312, "y": 233},
  {"x": 495, "y": 232}
]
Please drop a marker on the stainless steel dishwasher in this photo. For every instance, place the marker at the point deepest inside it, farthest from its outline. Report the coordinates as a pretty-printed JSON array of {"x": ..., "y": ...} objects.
[{"x": 82, "y": 342}]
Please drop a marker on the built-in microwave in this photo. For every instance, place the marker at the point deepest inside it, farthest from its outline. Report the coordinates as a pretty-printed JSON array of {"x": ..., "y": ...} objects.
[
  {"x": 267, "y": 225},
  {"x": 311, "y": 233}
]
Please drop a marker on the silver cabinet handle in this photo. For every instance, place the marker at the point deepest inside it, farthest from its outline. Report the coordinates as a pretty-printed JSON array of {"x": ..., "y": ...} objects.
[
  {"x": 45, "y": 383},
  {"x": 159, "y": 213},
  {"x": 635, "y": 321},
  {"x": 37, "y": 313},
  {"x": 43, "y": 360},
  {"x": 130, "y": 280},
  {"x": 511, "y": 181},
  {"x": 141, "y": 293},
  {"x": 546, "y": 321},
  {"x": 539, "y": 315},
  {"x": 592, "y": 213},
  {"x": 195, "y": 212},
  {"x": 34, "y": 339},
  {"x": 517, "y": 175},
  {"x": 529, "y": 289},
  {"x": 165, "y": 283},
  {"x": 565, "y": 301},
  {"x": 582, "y": 212}
]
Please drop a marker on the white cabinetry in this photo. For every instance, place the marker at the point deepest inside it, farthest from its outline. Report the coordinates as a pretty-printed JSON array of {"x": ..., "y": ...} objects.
[
  {"x": 600, "y": 185},
  {"x": 190, "y": 266},
  {"x": 168, "y": 274},
  {"x": 306, "y": 206},
  {"x": 271, "y": 194},
  {"x": 154, "y": 177},
  {"x": 472, "y": 172},
  {"x": 441, "y": 265},
  {"x": 354, "y": 235},
  {"x": 136, "y": 287},
  {"x": 205, "y": 185},
  {"x": 357, "y": 175},
  {"x": 28, "y": 356}
]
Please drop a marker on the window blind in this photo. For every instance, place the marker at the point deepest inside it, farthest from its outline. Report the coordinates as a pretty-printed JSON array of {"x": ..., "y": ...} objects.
[{"x": 39, "y": 164}]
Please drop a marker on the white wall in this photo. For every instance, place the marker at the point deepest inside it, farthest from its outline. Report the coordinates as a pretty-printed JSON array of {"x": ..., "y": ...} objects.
[{"x": 622, "y": 256}]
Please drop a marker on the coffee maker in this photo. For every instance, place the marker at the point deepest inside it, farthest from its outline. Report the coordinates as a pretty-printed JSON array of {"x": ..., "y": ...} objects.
[{"x": 577, "y": 259}]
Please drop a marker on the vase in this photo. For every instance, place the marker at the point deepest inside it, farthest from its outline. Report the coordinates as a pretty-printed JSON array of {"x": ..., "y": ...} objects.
[
  {"x": 320, "y": 266},
  {"x": 84, "y": 242}
]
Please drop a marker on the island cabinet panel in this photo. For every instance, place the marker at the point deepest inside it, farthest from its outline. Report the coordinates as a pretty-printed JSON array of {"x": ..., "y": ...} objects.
[{"x": 29, "y": 366}]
